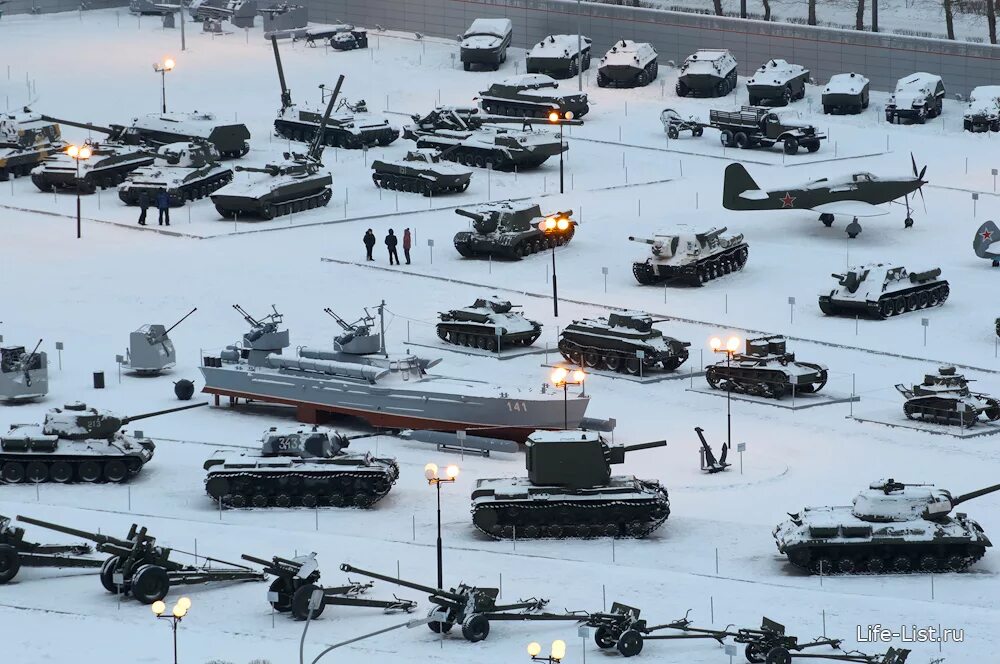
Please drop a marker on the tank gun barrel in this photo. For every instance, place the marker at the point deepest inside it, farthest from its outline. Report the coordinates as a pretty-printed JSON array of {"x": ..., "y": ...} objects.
[
  {"x": 975, "y": 494},
  {"x": 470, "y": 215},
  {"x": 168, "y": 330},
  {"x": 924, "y": 276},
  {"x": 316, "y": 149},
  {"x": 838, "y": 277},
  {"x": 286, "y": 94},
  {"x": 93, "y": 537},
  {"x": 641, "y": 240},
  {"x": 135, "y": 418},
  {"x": 644, "y": 446},
  {"x": 400, "y": 582},
  {"x": 270, "y": 169},
  {"x": 113, "y": 131}
]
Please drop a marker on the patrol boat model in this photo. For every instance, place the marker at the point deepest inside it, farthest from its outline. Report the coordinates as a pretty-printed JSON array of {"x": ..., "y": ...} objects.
[{"x": 357, "y": 377}]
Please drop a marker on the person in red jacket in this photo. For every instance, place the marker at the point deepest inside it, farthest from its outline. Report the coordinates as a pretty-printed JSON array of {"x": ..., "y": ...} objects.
[{"x": 407, "y": 243}]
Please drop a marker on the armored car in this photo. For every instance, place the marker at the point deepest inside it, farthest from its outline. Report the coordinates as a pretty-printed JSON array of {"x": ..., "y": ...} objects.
[
  {"x": 485, "y": 43},
  {"x": 707, "y": 73},
  {"x": 917, "y": 97},
  {"x": 846, "y": 93},
  {"x": 777, "y": 83},
  {"x": 559, "y": 56}
]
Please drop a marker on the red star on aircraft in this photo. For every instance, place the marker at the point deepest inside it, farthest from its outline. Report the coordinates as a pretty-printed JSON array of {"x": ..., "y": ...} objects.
[
  {"x": 986, "y": 235},
  {"x": 787, "y": 200}
]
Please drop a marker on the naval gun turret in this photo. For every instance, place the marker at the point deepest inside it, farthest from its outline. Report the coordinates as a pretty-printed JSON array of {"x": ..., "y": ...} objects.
[
  {"x": 693, "y": 259},
  {"x": 891, "y": 527},
  {"x": 570, "y": 492},
  {"x": 150, "y": 349},
  {"x": 512, "y": 230},
  {"x": 945, "y": 397},
  {"x": 358, "y": 337},
  {"x": 23, "y": 376}
]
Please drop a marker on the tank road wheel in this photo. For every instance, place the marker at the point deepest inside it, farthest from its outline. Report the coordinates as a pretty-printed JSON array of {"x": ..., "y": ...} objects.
[
  {"x": 874, "y": 565},
  {"x": 480, "y": 341},
  {"x": 364, "y": 499},
  {"x": 259, "y": 500},
  {"x": 61, "y": 472},
  {"x": 36, "y": 472},
  {"x": 10, "y": 563},
  {"x": 336, "y": 499},
  {"x": 613, "y": 362},
  {"x": 822, "y": 565},
  {"x": 531, "y": 531},
  {"x": 108, "y": 575},
  {"x": 150, "y": 584},
  {"x": 942, "y": 293},
  {"x": 955, "y": 563},
  {"x": 632, "y": 365},
  {"x": 13, "y": 472},
  {"x": 283, "y": 500},
  {"x": 885, "y": 309},
  {"x": 754, "y": 653},
  {"x": 898, "y": 305},
  {"x": 475, "y": 628},
  {"x": 237, "y": 500},
  {"x": 901, "y": 565},
  {"x": 300, "y": 603},
  {"x": 992, "y": 411},
  {"x": 922, "y": 299},
  {"x": 592, "y": 359},
  {"x": 928, "y": 563},
  {"x": 115, "y": 471},
  {"x": 630, "y": 643},
  {"x": 603, "y": 638},
  {"x": 554, "y": 531},
  {"x": 846, "y": 565},
  {"x": 490, "y": 344}
]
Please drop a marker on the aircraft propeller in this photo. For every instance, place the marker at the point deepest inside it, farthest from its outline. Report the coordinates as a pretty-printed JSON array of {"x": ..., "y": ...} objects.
[{"x": 920, "y": 176}]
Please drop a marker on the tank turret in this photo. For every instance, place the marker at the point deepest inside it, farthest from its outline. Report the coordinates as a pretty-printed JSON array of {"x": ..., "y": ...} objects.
[
  {"x": 691, "y": 259},
  {"x": 75, "y": 421},
  {"x": 575, "y": 459},
  {"x": 312, "y": 443},
  {"x": 892, "y": 501},
  {"x": 513, "y": 230}
]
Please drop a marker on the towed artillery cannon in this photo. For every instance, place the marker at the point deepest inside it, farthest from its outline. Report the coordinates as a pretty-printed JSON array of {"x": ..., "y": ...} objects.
[
  {"x": 297, "y": 579},
  {"x": 622, "y": 628},
  {"x": 150, "y": 349},
  {"x": 137, "y": 566},
  {"x": 771, "y": 635},
  {"x": 23, "y": 376},
  {"x": 782, "y": 655},
  {"x": 471, "y": 607},
  {"x": 17, "y": 552}
]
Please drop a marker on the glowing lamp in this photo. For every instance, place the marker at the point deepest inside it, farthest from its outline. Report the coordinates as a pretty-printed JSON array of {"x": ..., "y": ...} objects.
[
  {"x": 559, "y": 376},
  {"x": 562, "y": 224},
  {"x": 558, "y": 649},
  {"x": 733, "y": 344},
  {"x": 168, "y": 64},
  {"x": 554, "y": 116},
  {"x": 579, "y": 376},
  {"x": 73, "y": 151},
  {"x": 715, "y": 343},
  {"x": 451, "y": 471},
  {"x": 158, "y": 608},
  {"x": 534, "y": 649},
  {"x": 430, "y": 471}
]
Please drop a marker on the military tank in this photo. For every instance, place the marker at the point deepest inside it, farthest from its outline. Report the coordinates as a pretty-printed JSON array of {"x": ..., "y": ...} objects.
[
  {"x": 692, "y": 259},
  {"x": 945, "y": 398},
  {"x": 421, "y": 171},
  {"x": 26, "y": 140},
  {"x": 881, "y": 290},
  {"x": 109, "y": 164},
  {"x": 189, "y": 171},
  {"x": 616, "y": 343},
  {"x": 532, "y": 95},
  {"x": 76, "y": 444},
  {"x": 570, "y": 492},
  {"x": 490, "y": 323},
  {"x": 306, "y": 467},
  {"x": 24, "y": 375},
  {"x": 767, "y": 369},
  {"x": 512, "y": 230},
  {"x": 891, "y": 528}
]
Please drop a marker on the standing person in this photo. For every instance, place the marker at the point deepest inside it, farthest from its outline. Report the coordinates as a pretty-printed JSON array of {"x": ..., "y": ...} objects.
[
  {"x": 163, "y": 205},
  {"x": 406, "y": 245},
  {"x": 143, "y": 206},
  {"x": 390, "y": 242},
  {"x": 369, "y": 244}
]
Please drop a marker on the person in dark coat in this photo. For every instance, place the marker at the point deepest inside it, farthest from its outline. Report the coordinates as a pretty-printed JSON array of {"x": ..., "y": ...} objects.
[
  {"x": 407, "y": 243},
  {"x": 143, "y": 206},
  {"x": 369, "y": 243},
  {"x": 390, "y": 242},
  {"x": 163, "y": 205}
]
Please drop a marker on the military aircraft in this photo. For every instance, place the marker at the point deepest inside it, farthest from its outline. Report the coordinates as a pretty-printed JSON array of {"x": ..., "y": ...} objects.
[
  {"x": 987, "y": 234},
  {"x": 855, "y": 195}
]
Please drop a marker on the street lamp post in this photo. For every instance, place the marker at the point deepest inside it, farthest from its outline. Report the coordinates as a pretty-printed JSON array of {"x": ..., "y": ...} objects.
[
  {"x": 556, "y": 655},
  {"x": 548, "y": 226},
  {"x": 177, "y": 614},
  {"x": 431, "y": 473},
  {"x": 556, "y": 119},
  {"x": 732, "y": 345},
  {"x": 78, "y": 153},
  {"x": 562, "y": 377},
  {"x": 162, "y": 69}
]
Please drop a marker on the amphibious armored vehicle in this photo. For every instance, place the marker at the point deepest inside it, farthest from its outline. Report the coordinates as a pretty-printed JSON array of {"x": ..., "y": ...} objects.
[
  {"x": 983, "y": 111},
  {"x": 692, "y": 259},
  {"x": 570, "y": 492},
  {"x": 490, "y": 323},
  {"x": 945, "y": 397},
  {"x": 628, "y": 64},
  {"x": 485, "y": 43},
  {"x": 76, "y": 444},
  {"x": 24, "y": 376},
  {"x": 512, "y": 230},
  {"x": 421, "y": 171},
  {"x": 616, "y": 343},
  {"x": 532, "y": 95},
  {"x": 891, "y": 528},
  {"x": 881, "y": 290},
  {"x": 26, "y": 140},
  {"x": 559, "y": 56},
  {"x": 767, "y": 369},
  {"x": 917, "y": 97},
  {"x": 306, "y": 467},
  {"x": 707, "y": 73},
  {"x": 189, "y": 171},
  {"x": 777, "y": 83},
  {"x": 109, "y": 164},
  {"x": 846, "y": 93}
]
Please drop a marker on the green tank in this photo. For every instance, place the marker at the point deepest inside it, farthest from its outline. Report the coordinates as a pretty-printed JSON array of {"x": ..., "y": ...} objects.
[{"x": 512, "y": 230}]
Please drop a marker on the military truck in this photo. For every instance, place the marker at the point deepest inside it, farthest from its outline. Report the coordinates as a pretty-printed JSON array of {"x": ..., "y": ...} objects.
[
  {"x": 692, "y": 259},
  {"x": 846, "y": 93},
  {"x": 628, "y": 64},
  {"x": 26, "y": 140},
  {"x": 533, "y": 95},
  {"x": 983, "y": 112},
  {"x": 777, "y": 83},
  {"x": 512, "y": 230},
  {"x": 752, "y": 126},
  {"x": 559, "y": 56},
  {"x": 707, "y": 73},
  {"x": 881, "y": 290},
  {"x": 485, "y": 43},
  {"x": 917, "y": 97}
]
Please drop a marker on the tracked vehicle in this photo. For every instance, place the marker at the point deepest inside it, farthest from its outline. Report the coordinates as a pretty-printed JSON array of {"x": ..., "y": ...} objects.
[
  {"x": 490, "y": 323},
  {"x": 109, "y": 164},
  {"x": 881, "y": 290},
  {"x": 421, "y": 171},
  {"x": 891, "y": 528},
  {"x": 625, "y": 341},
  {"x": 188, "y": 171},
  {"x": 628, "y": 64},
  {"x": 512, "y": 230},
  {"x": 26, "y": 140},
  {"x": 306, "y": 467},
  {"x": 532, "y": 95},
  {"x": 945, "y": 398},
  {"x": 570, "y": 492},
  {"x": 692, "y": 259},
  {"x": 766, "y": 369}
]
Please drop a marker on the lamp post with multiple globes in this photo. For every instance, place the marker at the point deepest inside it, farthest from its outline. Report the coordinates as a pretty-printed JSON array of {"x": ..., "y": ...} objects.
[
  {"x": 162, "y": 69},
  {"x": 732, "y": 345},
  {"x": 451, "y": 474},
  {"x": 556, "y": 654},
  {"x": 176, "y": 615},
  {"x": 79, "y": 153},
  {"x": 563, "y": 377},
  {"x": 549, "y": 225}
]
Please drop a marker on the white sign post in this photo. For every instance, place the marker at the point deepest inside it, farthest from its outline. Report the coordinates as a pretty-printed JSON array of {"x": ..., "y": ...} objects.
[
  {"x": 791, "y": 309},
  {"x": 741, "y": 448},
  {"x": 430, "y": 246}
]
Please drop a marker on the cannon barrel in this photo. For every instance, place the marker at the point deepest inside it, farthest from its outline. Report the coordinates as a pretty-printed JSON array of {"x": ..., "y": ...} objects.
[
  {"x": 838, "y": 277},
  {"x": 179, "y": 322},
  {"x": 344, "y": 567},
  {"x": 925, "y": 275},
  {"x": 316, "y": 148},
  {"x": 641, "y": 240},
  {"x": 471, "y": 215},
  {"x": 644, "y": 446},
  {"x": 134, "y": 418},
  {"x": 270, "y": 169},
  {"x": 113, "y": 130},
  {"x": 258, "y": 561},
  {"x": 974, "y": 494},
  {"x": 93, "y": 537}
]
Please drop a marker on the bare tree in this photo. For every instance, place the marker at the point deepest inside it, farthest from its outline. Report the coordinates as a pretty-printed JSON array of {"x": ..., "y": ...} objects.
[
  {"x": 859, "y": 20},
  {"x": 949, "y": 19},
  {"x": 718, "y": 7},
  {"x": 767, "y": 10},
  {"x": 991, "y": 20},
  {"x": 874, "y": 15},
  {"x": 812, "y": 12}
]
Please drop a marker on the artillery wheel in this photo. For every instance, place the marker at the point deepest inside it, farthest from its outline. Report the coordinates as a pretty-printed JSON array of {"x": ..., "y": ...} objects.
[
  {"x": 437, "y": 626},
  {"x": 300, "y": 603},
  {"x": 61, "y": 472},
  {"x": 475, "y": 628},
  {"x": 779, "y": 655},
  {"x": 36, "y": 472},
  {"x": 284, "y": 602},
  {"x": 13, "y": 472},
  {"x": 630, "y": 643},
  {"x": 150, "y": 584},
  {"x": 108, "y": 575},
  {"x": 10, "y": 563},
  {"x": 90, "y": 471},
  {"x": 754, "y": 653},
  {"x": 115, "y": 471},
  {"x": 603, "y": 638}
]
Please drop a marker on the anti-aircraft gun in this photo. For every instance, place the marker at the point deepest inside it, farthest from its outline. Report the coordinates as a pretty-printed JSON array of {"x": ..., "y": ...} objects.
[
  {"x": 138, "y": 566},
  {"x": 26, "y": 140},
  {"x": 17, "y": 552},
  {"x": 471, "y": 607},
  {"x": 512, "y": 230},
  {"x": 23, "y": 376},
  {"x": 358, "y": 338},
  {"x": 297, "y": 580},
  {"x": 570, "y": 492},
  {"x": 150, "y": 349}
]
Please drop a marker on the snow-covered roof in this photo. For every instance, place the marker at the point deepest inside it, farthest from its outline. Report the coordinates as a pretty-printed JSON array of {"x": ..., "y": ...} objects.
[
  {"x": 564, "y": 436},
  {"x": 628, "y": 52},
  {"x": 530, "y": 80},
  {"x": 557, "y": 46},
  {"x": 846, "y": 84},
  {"x": 920, "y": 80},
  {"x": 497, "y": 27},
  {"x": 984, "y": 99},
  {"x": 776, "y": 72},
  {"x": 708, "y": 62}
]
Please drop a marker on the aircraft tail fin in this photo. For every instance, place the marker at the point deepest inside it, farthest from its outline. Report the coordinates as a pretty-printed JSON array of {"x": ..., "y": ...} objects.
[
  {"x": 737, "y": 180},
  {"x": 987, "y": 234}
]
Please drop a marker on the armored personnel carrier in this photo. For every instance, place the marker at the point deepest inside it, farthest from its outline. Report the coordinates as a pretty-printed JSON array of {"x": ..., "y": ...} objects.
[
  {"x": 628, "y": 64},
  {"x": 846, "y": 93},
  {"x": 917, "y": 97},
  {"x": 692, "y": 259},
  {"x": 559, "y": 56},
  {"x": 26, "y": 140},
  {"x": 766, "y": 369},
  {"x": 777, "y": 83},
  {"x": 616, "y": 343},
  {"x": 109, "y": 164},
  {"x": 891, "y": 528},
  {"x": 24, "y": 376},
  {"x": 533, "y": 95},
  {"x": 570, "y": 492},
  {"x": 881, "y": 290},
  {"x": 485, "y": 43},
  {"x": 306, "y": 467},
  {"x": 945, "y": 397},
  {"x": 512, "y": 230},
  {"x": 707, "y": 73},
  {"x": 76, "y": 444},
  {"x": 490, "y": 323},
  {"x": 189, "y": 171},
  {"x": 421, "y": 171},
  {"x": 983, "y": 112}
]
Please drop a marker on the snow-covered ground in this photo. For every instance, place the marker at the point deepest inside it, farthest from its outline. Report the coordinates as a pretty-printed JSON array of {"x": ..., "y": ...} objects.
[{"x": 623, "y": 178}]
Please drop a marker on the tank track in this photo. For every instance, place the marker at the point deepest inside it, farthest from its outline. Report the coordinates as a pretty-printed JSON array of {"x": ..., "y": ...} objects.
[
  {"x": 611, "y": 359},
  {"x": 65, "y": 469},
  {"x": 482, "y": 157},
  {"x": 911, "y": 299},
  {"x": 337, "y": 137},
  {"x": 770, "y": 383},
  {"x": 698, "y": 273},
  {"x": 946, "y": 412},
  {"x": 415, "y": 185},
  {"x": 271, "y": 210},
  {"x": 485, "y": 341},
  {"x": 189, "y": 191},
  {"x": 306, "y": 489},
  {"x": 521, "y": 249},
  {"x": 888, "y": 559},
  {"x": 550, "y": 519}
]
